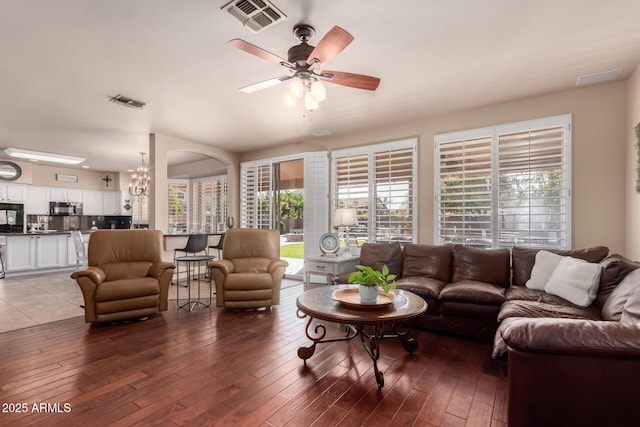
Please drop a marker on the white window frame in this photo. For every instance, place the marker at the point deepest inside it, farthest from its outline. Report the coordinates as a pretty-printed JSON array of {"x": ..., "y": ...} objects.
[
  {"x": 371, "y": 151},
  {"x": 561, "y": 121}
]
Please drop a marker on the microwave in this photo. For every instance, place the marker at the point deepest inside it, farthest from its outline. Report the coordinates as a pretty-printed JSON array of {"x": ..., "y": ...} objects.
[{"x": 65, "y": 208}]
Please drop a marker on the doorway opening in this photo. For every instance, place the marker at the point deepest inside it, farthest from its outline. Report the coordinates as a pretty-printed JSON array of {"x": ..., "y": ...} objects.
[{"x": 288, "y": 186}]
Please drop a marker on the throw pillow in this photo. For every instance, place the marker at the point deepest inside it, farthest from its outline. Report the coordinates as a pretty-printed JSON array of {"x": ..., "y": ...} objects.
[
  {"x": 631, "y": 313},
  {"x": 575, "y": 280},
  {"x": 546, "y": 263},
  {"x": 614, "y": 305}
]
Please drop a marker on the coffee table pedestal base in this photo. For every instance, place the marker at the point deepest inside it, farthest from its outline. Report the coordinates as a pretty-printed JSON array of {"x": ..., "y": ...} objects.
[{"x": 370, "y": 335}]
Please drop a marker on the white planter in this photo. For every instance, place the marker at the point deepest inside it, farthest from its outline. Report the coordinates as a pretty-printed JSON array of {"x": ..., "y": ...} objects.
[{"x": 368, "y": 295}]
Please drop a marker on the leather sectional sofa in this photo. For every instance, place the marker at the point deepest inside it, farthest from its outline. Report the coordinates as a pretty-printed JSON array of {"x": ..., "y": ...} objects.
[{"x": 567, "y": 364}]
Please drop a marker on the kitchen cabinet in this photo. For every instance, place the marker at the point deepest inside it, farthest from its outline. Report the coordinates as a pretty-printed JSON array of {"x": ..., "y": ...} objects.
[
  {"x": 117, "y": 202},
  {"x": 50, "y": 251},
  {"x": 13, "y": 193},
  {"x": 37, "y": 201},
  {"x": 92, "y": 202},
  {"x": 66, "y": 195},
  {"x": 20, "y": 253},
  {"x": 111, "y": 202},
  {"x": 37, "y": 252}
]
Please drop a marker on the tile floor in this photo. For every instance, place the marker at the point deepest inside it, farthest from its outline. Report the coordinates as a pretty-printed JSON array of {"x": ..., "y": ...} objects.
[
  {"x": 38, "y": 298},
  {"x": 42, "y": 298}
]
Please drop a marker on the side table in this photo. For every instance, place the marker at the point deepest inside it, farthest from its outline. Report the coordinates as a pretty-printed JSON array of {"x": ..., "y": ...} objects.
[
  {"x": 196, "y": 263},
  {"x": 328, "y": 265}
]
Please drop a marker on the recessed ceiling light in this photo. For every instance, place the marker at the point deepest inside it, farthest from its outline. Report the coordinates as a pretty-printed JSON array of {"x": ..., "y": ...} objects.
[
  {"x": 45, "y": 157},
  {"x": 85, "y": 166},
  {"x": 323, "y": 132},
  {"x": 599, "y": 77}
]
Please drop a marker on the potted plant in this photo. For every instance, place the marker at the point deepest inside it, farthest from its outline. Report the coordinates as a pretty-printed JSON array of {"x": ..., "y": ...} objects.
[{"x": 370, "y": 280}]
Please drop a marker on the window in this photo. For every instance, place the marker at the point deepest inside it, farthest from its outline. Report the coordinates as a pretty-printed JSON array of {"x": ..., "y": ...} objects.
[
  {"x": 380, "y": 182},
  {"x": 140, "y": 211},
  {"x": 256, "y": 196},
  {"x": 209, "y": 204},
  {"x": 178, "y": 205},
  {"x": 198, "y": 205},
  {"x": 505, "y": 186}
]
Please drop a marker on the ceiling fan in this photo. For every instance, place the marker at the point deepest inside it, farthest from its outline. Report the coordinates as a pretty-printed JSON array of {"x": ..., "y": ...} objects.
[{"x": 304, "y": 64}]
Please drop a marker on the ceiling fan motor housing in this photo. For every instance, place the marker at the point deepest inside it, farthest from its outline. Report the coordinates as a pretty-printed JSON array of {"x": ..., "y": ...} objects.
[{"x": 298, "y": 54}]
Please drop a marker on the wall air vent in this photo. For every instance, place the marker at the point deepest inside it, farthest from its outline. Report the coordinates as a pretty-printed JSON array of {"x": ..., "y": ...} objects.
[
  {"x": 127, "y": 102},
  {"x": 256, "y": 15}
]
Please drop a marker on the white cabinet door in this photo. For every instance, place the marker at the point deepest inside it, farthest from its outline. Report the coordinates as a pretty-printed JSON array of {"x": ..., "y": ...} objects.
[
  {"x": 74, "y": 195},
  {"x": 20, "y": 253},
  {"x": 13, "y": 193},
  {"x": 92, "y": 202},
  {"x": 111, "y": 200},
  {"x": 66, "y": 195},
  {"x": 48, "y": 251},
  {"x": 58, "y": 194},
  {"x": 37, "y": 202}
]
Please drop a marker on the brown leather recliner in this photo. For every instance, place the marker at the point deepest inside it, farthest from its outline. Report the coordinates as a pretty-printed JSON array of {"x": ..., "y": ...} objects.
[
  {"x": 250, "y": 273},
  {"x": 126, "y": 277}
]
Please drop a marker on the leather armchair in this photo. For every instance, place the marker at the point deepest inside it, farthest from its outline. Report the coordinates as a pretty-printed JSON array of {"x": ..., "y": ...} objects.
[
  {"x": 126, "y": 277},
  {"x": 250, "y": 273}
]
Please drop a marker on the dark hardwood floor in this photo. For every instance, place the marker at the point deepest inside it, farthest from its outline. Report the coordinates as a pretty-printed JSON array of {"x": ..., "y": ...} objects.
[{"x": 214, "y": 367}]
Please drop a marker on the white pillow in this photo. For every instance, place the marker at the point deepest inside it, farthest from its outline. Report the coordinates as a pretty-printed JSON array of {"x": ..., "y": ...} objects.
[
  {"x": 575, "y": 280},
  {"x": 631, "y": 313},
  {"x": 615, "y": 304},
  {"x": 546, "y": 263}
]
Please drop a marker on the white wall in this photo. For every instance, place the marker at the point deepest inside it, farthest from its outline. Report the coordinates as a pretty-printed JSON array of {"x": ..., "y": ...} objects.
[
  {"x": 599, "y": 150},
  {"x": 159, "y": 148}
]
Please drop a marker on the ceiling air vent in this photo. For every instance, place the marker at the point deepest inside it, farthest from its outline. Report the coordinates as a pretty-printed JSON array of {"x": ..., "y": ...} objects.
[
  {"x": 127, "y": 102},
  {"x": 599, "y": 77},
  {"x": 257, "y": 15}
]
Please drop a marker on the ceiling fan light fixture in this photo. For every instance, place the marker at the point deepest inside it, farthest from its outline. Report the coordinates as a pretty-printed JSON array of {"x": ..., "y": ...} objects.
[
  {"x": 310, "y": 103},
  {"x": 318, "y": 92},
  {"x": 296, "y": 87},
  {"x": 289, "y": 100}
]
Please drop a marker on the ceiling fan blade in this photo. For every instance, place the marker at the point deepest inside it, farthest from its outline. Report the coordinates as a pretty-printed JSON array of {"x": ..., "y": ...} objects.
[
  {"x": 264, "y": 84},
  {"x": 259, "y": 52},
  {"x": 331, "y": 44},
  {"x": 359, "y": 81}
]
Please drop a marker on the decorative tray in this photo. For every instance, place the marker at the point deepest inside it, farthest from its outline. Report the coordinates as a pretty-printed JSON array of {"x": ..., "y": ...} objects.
[{"x": 351, "y": 298}]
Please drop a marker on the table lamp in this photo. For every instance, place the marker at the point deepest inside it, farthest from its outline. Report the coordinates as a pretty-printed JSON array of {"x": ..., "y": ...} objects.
[{"x": 345, "y": 217}]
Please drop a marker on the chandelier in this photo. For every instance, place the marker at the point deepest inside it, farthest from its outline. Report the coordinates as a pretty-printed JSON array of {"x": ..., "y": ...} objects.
[
  {"x": 140, "y": 179},
  {"x": 305, "y": 84}
]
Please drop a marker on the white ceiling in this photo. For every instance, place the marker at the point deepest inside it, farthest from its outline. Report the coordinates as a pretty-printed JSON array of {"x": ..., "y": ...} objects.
[{"x": 61, "y": 60}]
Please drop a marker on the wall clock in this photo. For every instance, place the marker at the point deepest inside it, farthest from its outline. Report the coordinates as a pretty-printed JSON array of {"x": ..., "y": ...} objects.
[{"x": 329, "y": 243}]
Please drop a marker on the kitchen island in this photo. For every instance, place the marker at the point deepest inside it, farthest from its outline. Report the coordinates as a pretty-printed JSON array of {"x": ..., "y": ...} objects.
[{"x": 40, "y": 251}]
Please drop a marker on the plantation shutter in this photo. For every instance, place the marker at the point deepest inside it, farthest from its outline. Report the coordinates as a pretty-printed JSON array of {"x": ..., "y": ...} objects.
[
  {"x": 316, "y": 198},
  {"x": 379, "y": 182},
  {"x": 255, "y": 196},
  {"x": 210, "y": 203},
  {"x": 505, "y": 186},
  {"x": 464, "y": 206},
  {"x": 533, "y": 191},
  {"x": 394, "y": 194},
  {"x": 352, "y": 188}
]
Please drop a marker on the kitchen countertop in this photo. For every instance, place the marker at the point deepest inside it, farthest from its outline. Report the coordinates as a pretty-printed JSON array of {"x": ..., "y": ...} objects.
[{"x": 43, "y": 233}]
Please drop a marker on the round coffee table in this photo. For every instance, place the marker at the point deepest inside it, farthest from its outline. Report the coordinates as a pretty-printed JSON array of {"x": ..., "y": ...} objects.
[{"x": 370, "y": 324}]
